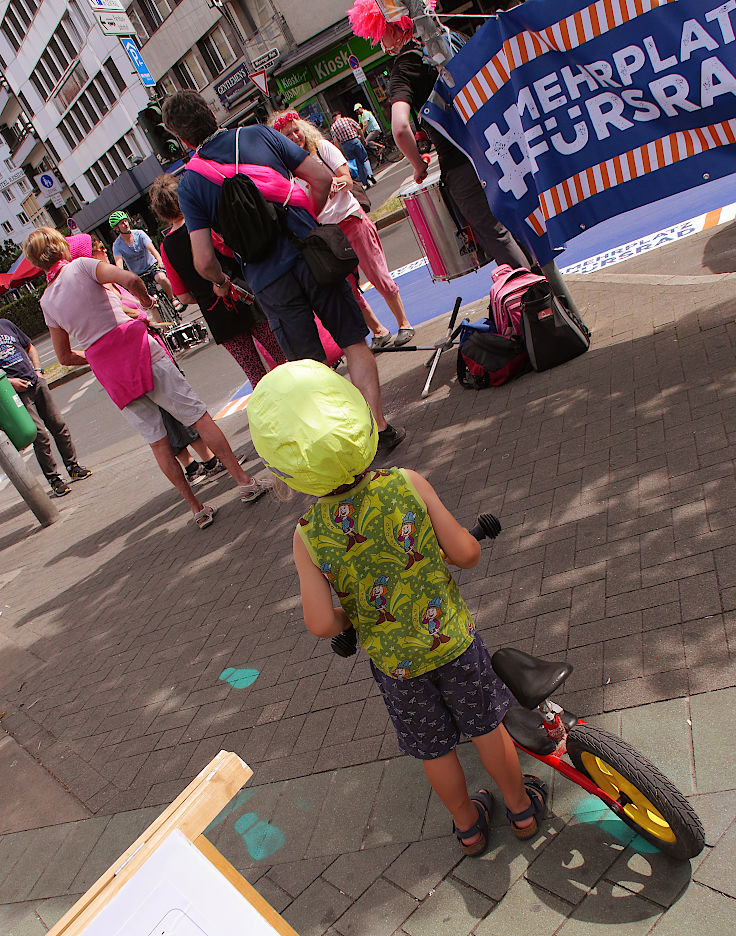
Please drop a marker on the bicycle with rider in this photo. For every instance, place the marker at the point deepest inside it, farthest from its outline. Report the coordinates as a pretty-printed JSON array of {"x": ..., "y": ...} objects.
[{"x": 134, "y": 248}]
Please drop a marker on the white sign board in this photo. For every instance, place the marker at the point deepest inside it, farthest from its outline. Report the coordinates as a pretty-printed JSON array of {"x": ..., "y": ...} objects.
[
  {"x": 113, "y": 23},
  {"x": 266, "y": 59},
  {"x": 177, "y": 892},
  {"x": 107, "y": 5},
  {"x": 15, "y": 176},
  {"x": 260, "y": 80},
  {"x": 57, "y": 200}
]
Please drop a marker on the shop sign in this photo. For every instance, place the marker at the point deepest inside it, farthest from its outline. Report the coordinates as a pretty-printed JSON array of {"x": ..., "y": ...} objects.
[
  {"x": 294, "y": 84},
  {"x": 337, "y": 60},
  {"x": 233, "y": 86},
  {"x": 13, "y": 177}
]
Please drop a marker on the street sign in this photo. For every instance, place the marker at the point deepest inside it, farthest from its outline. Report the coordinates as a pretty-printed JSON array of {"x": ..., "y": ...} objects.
[
  {"x": 358, "y": 72},
  {"x": 57, "y": 200},
  {"x": 113, "y": 23},
  {"x": 47, "y": 183},
  {"x": 107, "y": 5},
  {"x": 260, "y": 80},
  {"x": 266, "y": 59},
  {"x": 72, "y": 225},
  {"x": 137, "y": 59}
]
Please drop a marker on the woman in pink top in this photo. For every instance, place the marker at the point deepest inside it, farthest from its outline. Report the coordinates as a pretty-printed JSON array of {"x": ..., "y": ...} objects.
[
  {"x": 135, "y": 370},
  {"x": 342, "y": 208}
]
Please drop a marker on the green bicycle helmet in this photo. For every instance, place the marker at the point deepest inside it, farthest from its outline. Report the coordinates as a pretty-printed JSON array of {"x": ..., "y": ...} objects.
[
  {"x": 311, "y": 427},
  {"x": 116, "y": 217}
]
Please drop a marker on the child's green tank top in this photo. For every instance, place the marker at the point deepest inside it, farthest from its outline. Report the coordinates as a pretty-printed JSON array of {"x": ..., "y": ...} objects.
[{"x": 377, "y": 548}]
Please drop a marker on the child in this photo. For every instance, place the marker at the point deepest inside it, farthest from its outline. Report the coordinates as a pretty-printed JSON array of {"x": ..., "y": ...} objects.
[{"x": 380, "y": 533}]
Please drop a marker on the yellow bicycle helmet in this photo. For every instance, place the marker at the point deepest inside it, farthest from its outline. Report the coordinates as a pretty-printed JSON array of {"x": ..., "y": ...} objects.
[{"x": 311, "y": 427}]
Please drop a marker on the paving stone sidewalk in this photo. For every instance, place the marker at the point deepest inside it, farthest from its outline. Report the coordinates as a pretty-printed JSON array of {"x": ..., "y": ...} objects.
[{"x": 614, "y": 480}]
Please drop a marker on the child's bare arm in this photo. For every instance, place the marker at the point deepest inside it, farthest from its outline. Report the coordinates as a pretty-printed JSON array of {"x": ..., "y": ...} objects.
[
  {"x": 460, "y": 548},
  {"x": 321, "y": 618}
]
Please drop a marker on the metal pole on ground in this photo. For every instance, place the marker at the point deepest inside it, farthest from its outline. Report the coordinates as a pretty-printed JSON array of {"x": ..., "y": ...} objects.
[{"x": 25, "y": 483}]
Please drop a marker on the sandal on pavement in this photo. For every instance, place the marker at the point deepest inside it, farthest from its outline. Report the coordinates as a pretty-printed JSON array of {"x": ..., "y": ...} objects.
[
  {"x": 403, "y": 336},
  {"x": 537, "y": 792},
  {"x": 205, "y": 517},
  {"x": 483, "y": 802},
  {"x": 257, "y": 488},
  {"x": 381, "y": 341}
]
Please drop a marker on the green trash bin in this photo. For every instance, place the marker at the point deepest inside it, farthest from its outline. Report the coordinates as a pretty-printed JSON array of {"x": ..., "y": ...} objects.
[{"x": 15, "y": 420}]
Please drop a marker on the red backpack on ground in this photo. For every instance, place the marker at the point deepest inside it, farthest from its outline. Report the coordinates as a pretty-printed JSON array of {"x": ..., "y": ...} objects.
[{"x": 507, "y": 288}]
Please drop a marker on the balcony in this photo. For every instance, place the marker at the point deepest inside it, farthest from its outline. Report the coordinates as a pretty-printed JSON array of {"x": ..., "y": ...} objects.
[{"x": 24, "y": 146}]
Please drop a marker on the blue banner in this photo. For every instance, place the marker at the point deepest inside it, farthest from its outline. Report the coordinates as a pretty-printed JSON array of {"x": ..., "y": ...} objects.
[{"x": 574, "y": 112}]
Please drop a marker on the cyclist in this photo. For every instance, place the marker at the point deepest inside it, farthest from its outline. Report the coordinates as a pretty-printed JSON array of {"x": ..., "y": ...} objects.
[{"x": 136, "y": 249}]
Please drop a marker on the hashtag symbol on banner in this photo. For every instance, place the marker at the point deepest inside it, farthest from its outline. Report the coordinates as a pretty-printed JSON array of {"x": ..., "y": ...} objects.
[{"x": 503, "y": 149}]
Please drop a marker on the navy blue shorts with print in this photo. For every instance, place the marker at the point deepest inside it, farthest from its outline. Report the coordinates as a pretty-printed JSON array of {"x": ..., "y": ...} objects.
[{"x": 431, "y": 711}]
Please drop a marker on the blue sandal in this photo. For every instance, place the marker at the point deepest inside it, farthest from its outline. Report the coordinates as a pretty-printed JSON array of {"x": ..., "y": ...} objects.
[
  {"x": 483, "y": 802},
  {"x": 537, "y": 791}
]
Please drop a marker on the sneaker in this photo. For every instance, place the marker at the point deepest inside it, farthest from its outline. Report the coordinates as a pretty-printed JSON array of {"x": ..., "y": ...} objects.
[
  {"x": 77, "y": 473},
  {"x": 59, "y": 487},
  {"x": 389, "y": 438},
  {"x": 381, "y": 341},
  {"x": 213, "y": 468},
  {"x": 197, "y": 474},
  {"x": 373, "y": 180}
]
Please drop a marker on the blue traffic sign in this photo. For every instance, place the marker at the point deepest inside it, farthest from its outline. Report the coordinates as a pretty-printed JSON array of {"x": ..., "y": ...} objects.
[
  {"x": 137, "y": 59},
  {"x": 46, "y": 181},
  {"x": 353, "y": 61}
]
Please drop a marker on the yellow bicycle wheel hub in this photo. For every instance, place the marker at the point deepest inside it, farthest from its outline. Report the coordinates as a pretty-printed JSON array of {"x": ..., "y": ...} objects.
[{"x": 636, "y": 806}]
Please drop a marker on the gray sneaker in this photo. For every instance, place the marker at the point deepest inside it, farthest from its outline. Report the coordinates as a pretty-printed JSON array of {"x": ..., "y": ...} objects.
[{"x": 381, "y": 341}]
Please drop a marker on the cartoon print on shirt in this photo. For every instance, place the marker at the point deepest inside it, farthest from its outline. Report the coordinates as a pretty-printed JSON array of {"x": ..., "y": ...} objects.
[
  {"x": 377, "y": 596},
  {"x": 343, "y": 518},
  {"x": 407, "y": 539},
  {"x": 402, "y": 670},
  {"x": 433, "y": 624},
  {"x": 326, "y": 570}
]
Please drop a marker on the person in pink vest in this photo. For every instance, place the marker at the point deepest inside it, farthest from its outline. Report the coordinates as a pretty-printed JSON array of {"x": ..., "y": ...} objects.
[{"x": 134, "y": 367}]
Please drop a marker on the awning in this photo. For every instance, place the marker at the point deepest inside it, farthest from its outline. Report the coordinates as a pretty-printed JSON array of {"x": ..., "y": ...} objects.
[
  {"x": 125, "y": 189},
  {"x": 22, "y": 271},
  {"x": 306, "y": 50}
]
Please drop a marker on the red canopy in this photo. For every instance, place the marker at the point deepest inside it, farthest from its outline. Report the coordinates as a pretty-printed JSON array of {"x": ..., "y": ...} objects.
[{"x": 23, "y": 273}]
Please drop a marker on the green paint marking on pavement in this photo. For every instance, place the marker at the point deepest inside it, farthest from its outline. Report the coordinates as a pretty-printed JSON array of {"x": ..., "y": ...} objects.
[
  {"x": 239, "y": 678},
  {"x": 261, "y": 838},
  {"x": 593, "y": 812}
]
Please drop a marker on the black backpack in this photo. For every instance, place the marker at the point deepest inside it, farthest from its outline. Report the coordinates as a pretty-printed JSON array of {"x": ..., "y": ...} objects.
[
  {"x": 248, "y": 223},
  {"x": 487, "y": 359},
  {"x": 553, "y": 334}
]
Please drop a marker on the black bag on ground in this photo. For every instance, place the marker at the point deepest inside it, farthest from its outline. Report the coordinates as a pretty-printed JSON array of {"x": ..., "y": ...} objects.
[
  {"x": 328, "y": 253},
  {"x": 486, "y": 359},
  {"x": 553, "y": 334}
]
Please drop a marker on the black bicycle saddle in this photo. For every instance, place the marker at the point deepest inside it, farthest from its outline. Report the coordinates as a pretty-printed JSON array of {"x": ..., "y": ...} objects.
[{"x": 530, "y": 679}]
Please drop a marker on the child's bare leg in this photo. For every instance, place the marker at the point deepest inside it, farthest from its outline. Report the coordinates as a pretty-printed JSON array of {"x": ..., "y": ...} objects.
[
  {"x": 498, "y": 755},
  {"x": 447, "y": 779}
]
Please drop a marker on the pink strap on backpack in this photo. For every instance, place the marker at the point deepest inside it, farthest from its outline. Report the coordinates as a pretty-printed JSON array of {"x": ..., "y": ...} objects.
[
  {"x": 271, "y": 184},
  {"x": 507, "y": 287}
]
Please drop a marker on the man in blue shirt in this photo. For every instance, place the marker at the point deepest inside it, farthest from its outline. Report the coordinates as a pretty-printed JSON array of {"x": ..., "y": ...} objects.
[
  {"x": 20, "y": 361},
  {"x": 283, "y": 282},
  {"x": 135, "y": 248}
]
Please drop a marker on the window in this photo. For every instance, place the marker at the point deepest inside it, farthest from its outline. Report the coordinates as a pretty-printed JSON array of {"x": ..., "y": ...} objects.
[
  {"x": 7, "y": 194},
  {"x": 22, "y": 217},
  {"x": 113, "y": 72},
  {"x": 64, "y": 129},
  {"x": 141, "y": 33},
  {"x": 220, "y": 45},
  {"x": 167, "y": 86},
  {"x": 194, "y": 70},
  {"x": 90, "y": 176},
  {"x": 7, "y": 227},
  {"x": 24, "y": 186},
  {"x": 81, "y": 118},
  {"x": 102, "y": 83},
  {"x": 77, "y": 194},
  {"x": 9, "y": 164},
  {"x": 94, "y": 93},
  {"x": 52, "y": 151}
]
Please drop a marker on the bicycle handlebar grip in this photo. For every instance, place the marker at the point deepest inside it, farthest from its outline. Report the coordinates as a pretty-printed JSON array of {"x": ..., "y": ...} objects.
[
  {"x": 345, "y": 644},
  {"x": 487, "y": 526}
]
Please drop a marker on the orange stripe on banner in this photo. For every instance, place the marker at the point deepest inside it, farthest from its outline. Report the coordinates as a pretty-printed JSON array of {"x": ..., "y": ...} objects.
[
  {"x": 712, "y": 218},
  {"x": 604, "y": 175},
  {"x": 674, "y": 147},
  {"x": 578, "y": 27},
  {"x": 548, "y": 40},
  {"x": 554, "y": 195},
  {"x": 689, "y": 145},
  {"x": 703, "y": 139},
  {"x": 610, "y": 14},
  {"x": 590, "y": 179},
  {"x": 631, "y": 159},
  {"x": 728, "y": 129},
  {"x": 639, "y": 7},
  {"x": 535, "y": 225},
  {"x": 460, "y": 104},
  {"x": 595, "y": 22},
  {"x": 479, "y": 90},
  {"x": 537, "y": 43},
  {"x": 565, "y": 35},
  {"x": 501, "y": 66},
  {"x": 578, "y": 187},
  {"x": 659, "y": 150},
  {"x": 618, "y": 169},
  {"x": 644, "y": 150}
]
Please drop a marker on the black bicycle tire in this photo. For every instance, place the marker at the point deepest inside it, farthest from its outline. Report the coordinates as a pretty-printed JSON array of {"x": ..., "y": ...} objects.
[
  {"x": 648, "y": 780},
  {"x": 393, "y": 155}
]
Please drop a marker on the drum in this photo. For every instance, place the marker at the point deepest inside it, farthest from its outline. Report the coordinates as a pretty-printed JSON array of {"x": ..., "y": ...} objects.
[
  {"x": 447, "y": 242},
  {"x": 185, "y": 336}
]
